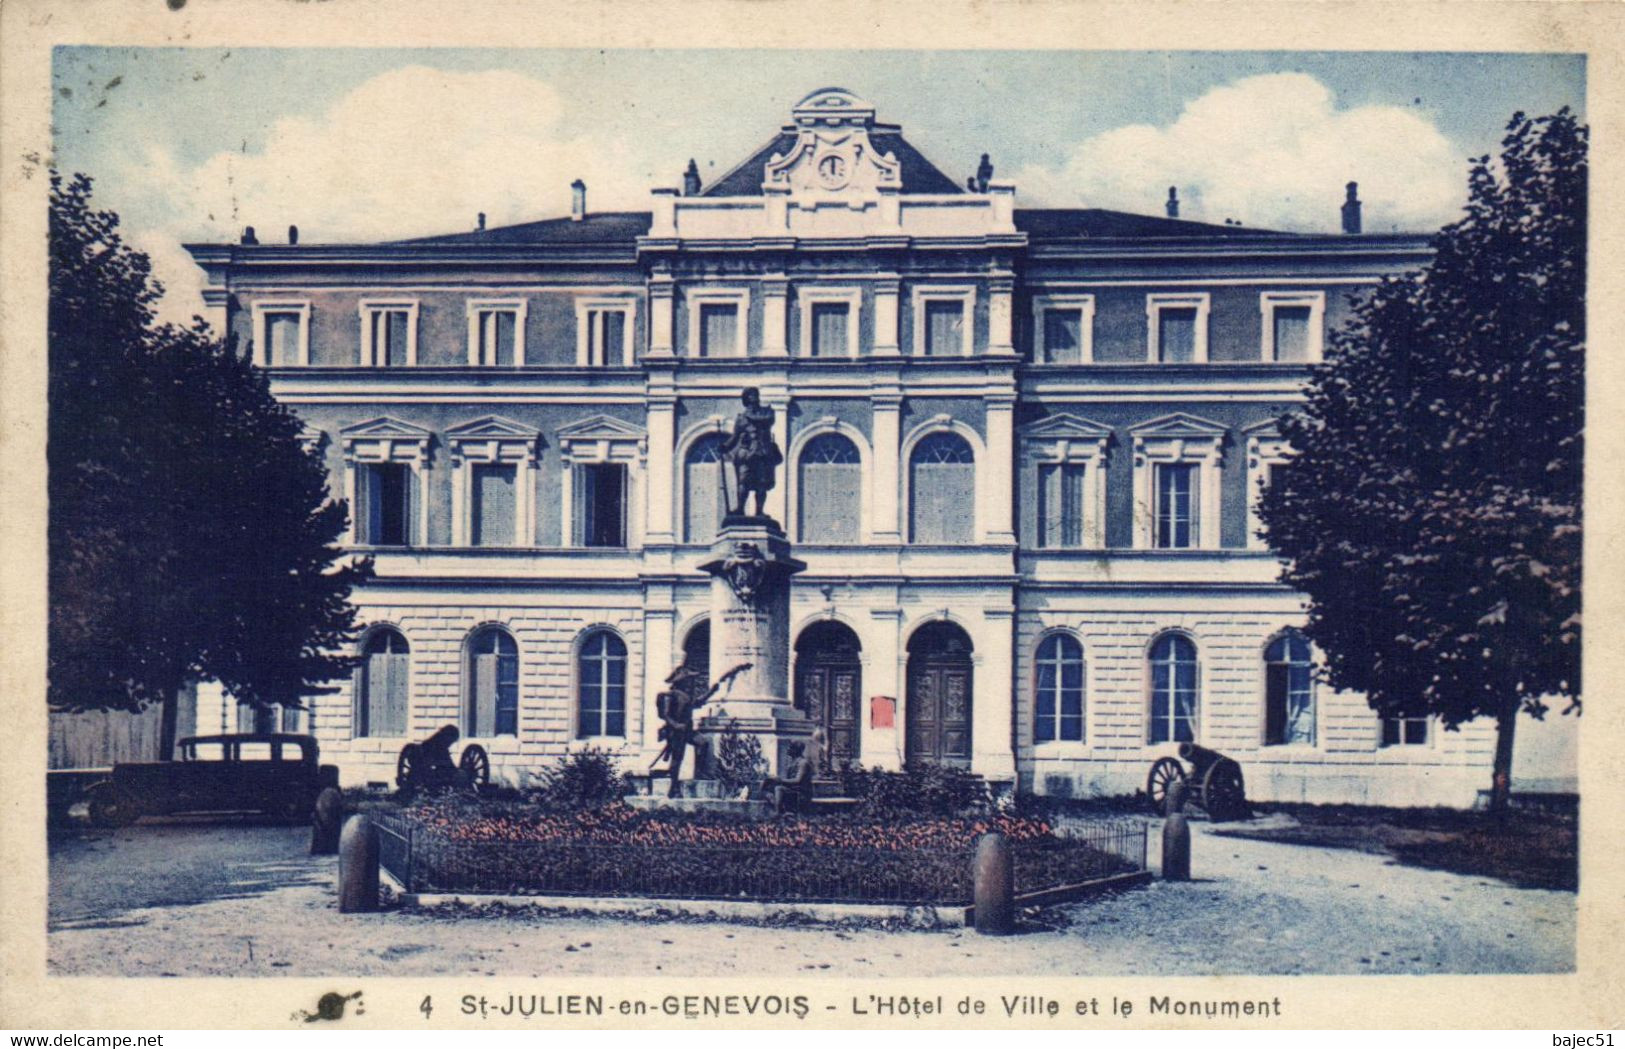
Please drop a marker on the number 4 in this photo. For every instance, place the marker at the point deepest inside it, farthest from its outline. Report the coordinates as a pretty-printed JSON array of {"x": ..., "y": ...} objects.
[{"x": 427, "y": 1008}]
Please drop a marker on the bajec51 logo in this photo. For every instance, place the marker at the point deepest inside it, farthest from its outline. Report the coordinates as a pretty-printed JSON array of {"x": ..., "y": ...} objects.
[{"x": 330, "y": 1006}]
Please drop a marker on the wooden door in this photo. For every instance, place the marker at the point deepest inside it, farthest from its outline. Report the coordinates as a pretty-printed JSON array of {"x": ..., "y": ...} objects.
[
  {"x": 939, "y": 710},
  {"x": 827, "y": 691}
]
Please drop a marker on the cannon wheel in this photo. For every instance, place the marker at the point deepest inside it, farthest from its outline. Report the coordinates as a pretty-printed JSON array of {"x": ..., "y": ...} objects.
[
  {"x": 1165, "y": 772},
  {"x": 475, "y": 765},
  {"x": 111, "y": 807},
  {"x": 406, "y": 766},
  {"x": 1223, "y": 794}
]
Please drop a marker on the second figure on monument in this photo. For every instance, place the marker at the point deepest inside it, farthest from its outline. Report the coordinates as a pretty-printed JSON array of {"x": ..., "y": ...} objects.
[{"x": 754, "y": 454}]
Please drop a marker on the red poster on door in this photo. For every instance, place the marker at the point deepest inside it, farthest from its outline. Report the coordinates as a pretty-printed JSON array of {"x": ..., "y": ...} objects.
[{"x": 882, "y": 711}]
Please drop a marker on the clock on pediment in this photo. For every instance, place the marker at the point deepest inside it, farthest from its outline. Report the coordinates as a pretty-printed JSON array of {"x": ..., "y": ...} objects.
[{"x": 833, "y": 154}]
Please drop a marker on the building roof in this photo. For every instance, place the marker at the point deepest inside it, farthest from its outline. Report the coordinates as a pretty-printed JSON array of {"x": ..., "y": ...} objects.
[
  {"x": 919, "y": 174},
  {"x": 604, "y": 227},
  {"x": 1099, "y": 223},
  {"x": 1040, "y": 224}
]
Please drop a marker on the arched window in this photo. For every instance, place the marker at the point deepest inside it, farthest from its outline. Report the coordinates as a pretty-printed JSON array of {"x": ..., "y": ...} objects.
[
  {"x": 702, "y": 488},
  {"x": 601, "y": 686},
  {"x": 829, "y": 494},
  {"x": 493, "y": 684},
  {"x": 1174, "y": 690},
  {"x": 1058, "y": 690},
  {"x": 1289, "y": 691},
  {"x": 697, "y": 647},
  {"x": 386, "y": 667},
  {"x": 942, "y": 490}
]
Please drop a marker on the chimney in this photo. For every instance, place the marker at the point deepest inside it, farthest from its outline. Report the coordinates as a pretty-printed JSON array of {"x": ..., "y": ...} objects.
[
  {"x": 1351, "y": 209},
  {"x": 691, "y": 179},
  {"x": 293, "y": 234},
  {"x": 481, "y": 226},
  {"x": 248, "y": 236},
  {"x": 1173, "y": 202},
  {"x": 578, "y": 200}
]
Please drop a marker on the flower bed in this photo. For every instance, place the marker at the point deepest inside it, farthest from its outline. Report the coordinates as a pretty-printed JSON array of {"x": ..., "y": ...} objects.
[{"x": 617, "y": 851}]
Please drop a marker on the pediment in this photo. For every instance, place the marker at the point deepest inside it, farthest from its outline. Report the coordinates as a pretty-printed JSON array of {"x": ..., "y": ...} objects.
[
  {"x": 1269, "y": 429},
  {"x": 833, "y": 155},
  {"x": 492, "y": 427},
  {"x": 1067, "y": 425},
  {"x": 385, "y": 428},
  {"x": 312, "y": 439},
  {"x": 601, "y": 428},
  {"x": 1178, "y": 425}
]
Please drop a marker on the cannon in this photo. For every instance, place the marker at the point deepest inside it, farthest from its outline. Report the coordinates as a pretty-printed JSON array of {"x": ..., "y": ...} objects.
[
  {"x": 1213, "y": 780},
  {"x": 428, "y": 765}
]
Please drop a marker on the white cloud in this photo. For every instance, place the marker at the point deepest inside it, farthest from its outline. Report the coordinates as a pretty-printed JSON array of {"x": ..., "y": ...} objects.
[
  {"x": 1271, "y": 151},
  {"x": 411, "y": 152}
]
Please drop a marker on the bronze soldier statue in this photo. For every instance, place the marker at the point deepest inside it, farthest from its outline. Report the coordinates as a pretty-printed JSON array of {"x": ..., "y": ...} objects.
[
  {"x": 676, "y": 706},
  {"x": 753, "y": 452}
]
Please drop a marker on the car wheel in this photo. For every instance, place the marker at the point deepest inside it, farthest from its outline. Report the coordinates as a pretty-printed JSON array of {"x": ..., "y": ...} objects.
[{"x": 110, "y": 807}]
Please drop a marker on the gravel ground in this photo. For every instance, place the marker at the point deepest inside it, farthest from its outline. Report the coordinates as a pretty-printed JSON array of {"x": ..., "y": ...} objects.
[{"x": 191, "y": 899}]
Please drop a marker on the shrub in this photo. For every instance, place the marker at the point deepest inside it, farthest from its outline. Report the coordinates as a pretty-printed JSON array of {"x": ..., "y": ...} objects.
[
  {"x": 920, "y": 789},
  {"x": 583, "y": 780},
  {"x": 737, "y": 761}
]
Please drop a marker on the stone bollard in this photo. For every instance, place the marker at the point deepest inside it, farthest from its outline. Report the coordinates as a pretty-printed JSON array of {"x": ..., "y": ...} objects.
[
  {"x": 358, "y": 866},
  {"x": 995, "y": 886},
  {"x": 326, "y": 820},
  {"x": 1176, "y": 837}
]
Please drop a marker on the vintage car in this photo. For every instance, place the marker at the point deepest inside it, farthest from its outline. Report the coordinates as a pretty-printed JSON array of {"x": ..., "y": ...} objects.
[{"x": 259, "y": 772}]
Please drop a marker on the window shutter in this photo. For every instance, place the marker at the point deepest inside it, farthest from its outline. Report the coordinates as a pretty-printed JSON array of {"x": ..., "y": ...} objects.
[
  {"x": 1063, "y": 336},
  {"x": 703, "y": 492},
  {"x": 1275, "y": 702},
  {"x": 1291, "y": 333},
  {"x": 829, "y": 330},
  {"x": 1050, "y": 505},
  {"x": 585, "y": 498},
  {"x": 614, "y": 350},
  {"x": 485, "y": 694},
  {"x": 1176, "y": 335},
  {"x": 395, "y": 709},
  {"x": 494, "y": 504}
]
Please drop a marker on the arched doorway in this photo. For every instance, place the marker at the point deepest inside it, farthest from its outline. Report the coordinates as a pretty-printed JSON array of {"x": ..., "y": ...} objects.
[
  {"x": 829, "y": 686},
  {"x": 939, "y": 696}
]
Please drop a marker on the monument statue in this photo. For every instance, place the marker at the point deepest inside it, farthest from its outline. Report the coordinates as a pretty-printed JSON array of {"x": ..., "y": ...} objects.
[
  {"x": 753, "y": 452},
  {"x": 676, "y": 706}
]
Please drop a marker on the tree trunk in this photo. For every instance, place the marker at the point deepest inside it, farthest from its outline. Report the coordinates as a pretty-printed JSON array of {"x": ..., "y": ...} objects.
[
  {"x": 1506, "y": 724},
  {"x": 167, "y": 726}
]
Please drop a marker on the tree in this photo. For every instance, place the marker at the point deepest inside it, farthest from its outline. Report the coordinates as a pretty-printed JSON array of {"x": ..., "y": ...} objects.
[
  {"x": 191, "y": 536},
  {"x": 1433, "y": 512}
]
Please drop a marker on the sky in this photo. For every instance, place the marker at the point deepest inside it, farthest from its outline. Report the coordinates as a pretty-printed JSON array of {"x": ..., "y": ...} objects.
[{"x": 191, "y": 144}]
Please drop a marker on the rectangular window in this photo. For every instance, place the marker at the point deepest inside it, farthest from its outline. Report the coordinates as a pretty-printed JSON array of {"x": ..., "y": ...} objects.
[
  {"x": 1060, "y": 505},
  {"x": 493, "y": 510},
  {"x": 496, "y": 332},
  {"x": 600, "y": 504},
  {"x": 719, "y": 329},
  {"x": 386, "y": 504},
  {"x": 606, "y": 338},
  {"x": 1291, "y": 333},
  {"x": 1063, "y": 336},
  {"x": 944, "y": 328},
  {"x": 1176, "y": 334},
  {"x": 282, "y": 336},
  {"x": 829, "y": 329},
  {"x": 389, "y": 334},
  {"x": 1176, "y": 506},
  {"x": 1404, "y": 732}
]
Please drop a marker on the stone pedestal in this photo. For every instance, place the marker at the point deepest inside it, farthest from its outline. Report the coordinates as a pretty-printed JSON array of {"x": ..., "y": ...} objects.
[{"x": 750, "y": 568}]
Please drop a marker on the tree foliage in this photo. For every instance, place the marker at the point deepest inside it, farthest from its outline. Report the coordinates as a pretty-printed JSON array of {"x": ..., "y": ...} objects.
[
  {"x": 191, "y": 536},
  {"x": 1433, "y": 511}
]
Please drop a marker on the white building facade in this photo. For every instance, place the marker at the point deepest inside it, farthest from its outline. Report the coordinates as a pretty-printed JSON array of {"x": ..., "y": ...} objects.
[{"x": 1023, "y": 449}]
